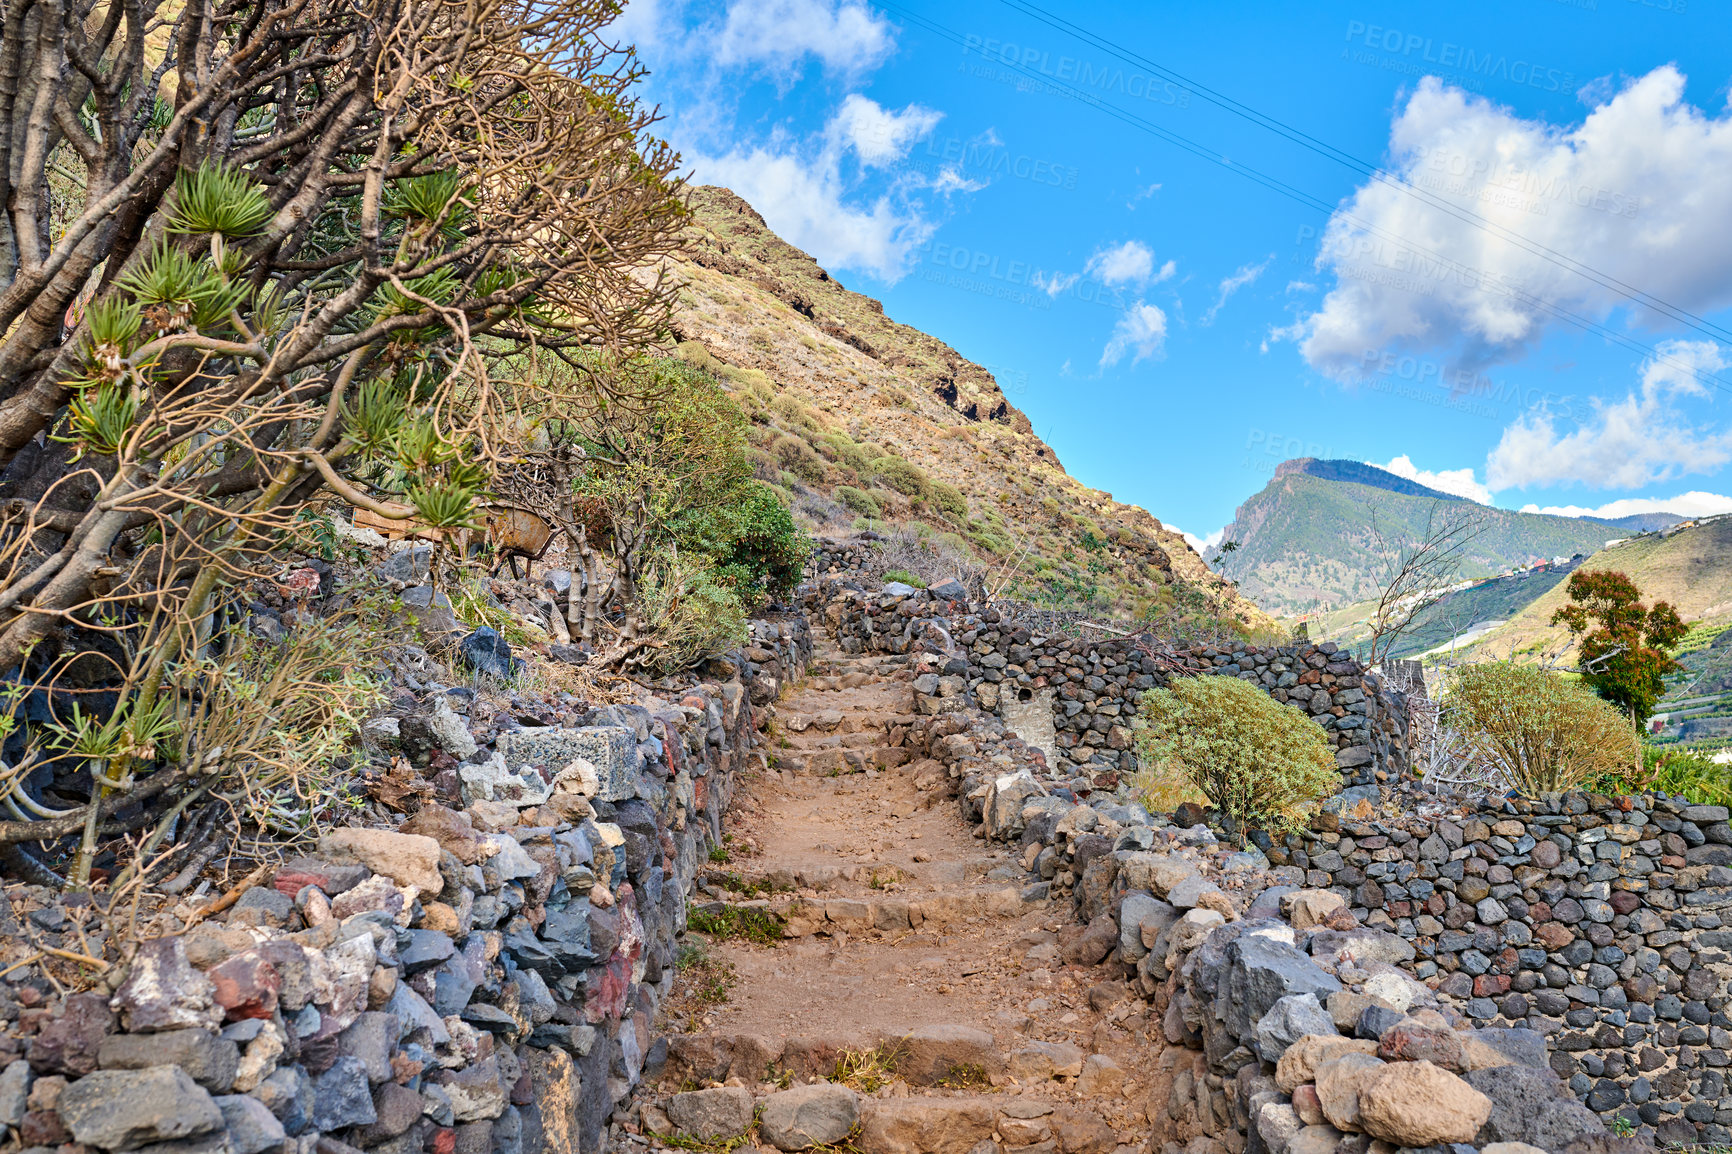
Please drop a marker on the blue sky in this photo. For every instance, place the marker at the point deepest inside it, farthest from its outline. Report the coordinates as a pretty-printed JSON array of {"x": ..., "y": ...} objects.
[{"x": 1486, "y": 245}]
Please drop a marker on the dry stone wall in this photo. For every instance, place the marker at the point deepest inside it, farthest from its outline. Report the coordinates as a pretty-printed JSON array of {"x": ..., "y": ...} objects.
[
  {"x": 1091, "y": 686},
  {"x": 1574, "y": 943},
  {"x": 482, "y": 979}
]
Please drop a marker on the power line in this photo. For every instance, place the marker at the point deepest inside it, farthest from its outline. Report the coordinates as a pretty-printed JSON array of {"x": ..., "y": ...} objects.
[
  {"x": 1185, "y": 144},
  {"x": 1375, "y": 172}
]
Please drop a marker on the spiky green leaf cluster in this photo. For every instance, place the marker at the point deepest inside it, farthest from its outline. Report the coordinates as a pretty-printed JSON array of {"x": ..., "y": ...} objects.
[
  {"x": 188, "y": 285},
  {"x": 217, "y": 198},
  {"x": 99, "y": 418}
]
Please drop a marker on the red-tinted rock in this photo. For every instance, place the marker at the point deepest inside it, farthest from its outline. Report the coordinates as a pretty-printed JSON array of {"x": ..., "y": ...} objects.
[
  {"x": 69, "y": 1042},
  {"x": 247, "y": 986},
  {"x": 1420, "y": 1044},
  {"x": 1554, "y": 935},
  {"x": 1624, "y": 902},
  {"x": 43, "y": 1128},
  {"x": 1490, "y": 986},
  {"x": 306, "y": 871}
]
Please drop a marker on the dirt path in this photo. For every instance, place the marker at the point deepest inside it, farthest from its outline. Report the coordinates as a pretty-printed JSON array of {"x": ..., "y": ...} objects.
[{"x": 900, "y": 921}]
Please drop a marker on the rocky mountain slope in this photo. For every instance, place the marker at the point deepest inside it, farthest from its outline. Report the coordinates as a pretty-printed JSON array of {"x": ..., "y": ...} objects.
[
  {"x": 860, "y": 419},
  {"x": 1308, "y": 540}
]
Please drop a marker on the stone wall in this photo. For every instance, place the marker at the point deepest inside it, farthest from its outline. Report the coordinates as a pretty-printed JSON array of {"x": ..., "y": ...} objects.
[
  {"x": 1597, "y": 922},
  {"x": 482, "y": 979},
  {"x": 1091, "y": 686},
  {"x": 1587, "y": 926}
]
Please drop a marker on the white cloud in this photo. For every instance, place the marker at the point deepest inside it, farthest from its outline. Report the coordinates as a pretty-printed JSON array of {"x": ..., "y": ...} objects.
[
  {"x": 1630, "y": 191},
  {"x": 1055, "y": 284},
  {"x": 1142, "y": 194},
  {"x": 876, "y": 134},
  {"x": 1246, "y": 275},
  {"x": 1142, "y": 328},
  {"x": 846, "y": 36},
  {"x": 1692, "y": 504},
  {"x": 1627, "y": 444},
  {"x": 1132, "y": 262},
  {"x": 805, "y": 202},
  {"x": 1201, "y": 543},
  {"x": 1457, "y": 482}
]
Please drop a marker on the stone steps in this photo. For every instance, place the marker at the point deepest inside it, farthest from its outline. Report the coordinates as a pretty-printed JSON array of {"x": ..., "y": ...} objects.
[
  {"x": 802, "y": 917},
  {"x": 917, "y": 1090},
  {"x": 838, "y": 761}
]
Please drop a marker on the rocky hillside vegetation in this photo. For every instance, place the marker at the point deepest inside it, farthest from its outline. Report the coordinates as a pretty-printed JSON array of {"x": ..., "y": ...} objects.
[{"x": 858, "y": 419}]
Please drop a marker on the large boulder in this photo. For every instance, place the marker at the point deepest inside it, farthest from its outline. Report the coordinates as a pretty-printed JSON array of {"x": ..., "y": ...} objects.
[
  {"x": 126, "y": 1109},
  {"x": 938, "y": 1053},
  {"x": 822, "y": 1114},
  {"x": 406, "y": 858},
  {"x": 925, "y": 1125},
  {"x": 708, "y": 1115},
  {"x": 1417, "y": 1104},
  {"x": 1259, "y": 972},
  {"x": 1531, "y": 1105}
]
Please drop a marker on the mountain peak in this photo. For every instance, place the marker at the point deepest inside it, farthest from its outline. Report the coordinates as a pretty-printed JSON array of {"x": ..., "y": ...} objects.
[{"x": 1359, "y": 473}]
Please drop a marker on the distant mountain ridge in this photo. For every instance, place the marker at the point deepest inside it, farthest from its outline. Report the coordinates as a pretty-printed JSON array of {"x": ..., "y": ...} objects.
[
  {"x": 1320, "y": 534},
  {"x": 1359, "y": 473}
]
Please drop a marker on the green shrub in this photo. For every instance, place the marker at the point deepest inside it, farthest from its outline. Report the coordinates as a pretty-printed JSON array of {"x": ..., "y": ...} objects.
[
  {"x": 909, "y": 480},
  {"x": 858, "y": 501},
  {"x": 949, "y": 499},
  {"x": 1690, "y": 774},
  {"x": 692, "y": 615},
  {"x": 765, "y": 551},
  {"x": 1540, "y": 733},
  {"x": 1263, "y": 763},
  {"x": 905, "y": 577},
  {"x": 794, "y": 413},
  {"x": 797, "y": 457},
  {"x": 839, "y": 447}
]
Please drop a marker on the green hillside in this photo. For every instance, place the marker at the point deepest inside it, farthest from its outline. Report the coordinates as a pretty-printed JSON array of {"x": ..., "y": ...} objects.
[
  {"x": 1306, "y": 543},
  {"x": 1461, "y": 615}
]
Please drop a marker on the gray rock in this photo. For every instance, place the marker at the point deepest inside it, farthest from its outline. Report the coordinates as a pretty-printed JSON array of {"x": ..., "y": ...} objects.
[
  {"x": 411, "y": 564},
  {"x": 818, "y": 1115},
  {"x": 1190, "y": 891},
  {"x": 1527, "y": 1047},
  {"x": 1532, "y": 1106},
  {"x": 342, "y": 1096},
  {"x": 1366, "y": 945},
  {"x": 126, "y": 1109},
  {"x": 370, "y": 1040},
  {"x": 489, "y": 654},
  {"x": 262, "y": 906},
  {"x": 723, "y": 1112},
  {"x": 288, "y": 1095},
  {"x": 1288, "y": 1020},
  {"x": 950, "y": 590},
  {"x": 611, "y": 749},
  {"x": 1259, "y": 972},
  {"x": 14, "y": 1092},
  {"x": 1141, "y": 919},
  {"x": 252, "y": 1128},
  {"x": 208, "y": 1059}
]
